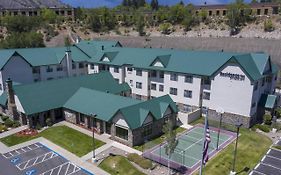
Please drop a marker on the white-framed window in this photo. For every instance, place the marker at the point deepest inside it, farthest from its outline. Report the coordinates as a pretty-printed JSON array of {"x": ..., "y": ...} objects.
[
  {"x": 81, "y": 65},
  {"x": 153, "y": 86},
  {"x": 173, "y": 91},
  {"x": 187, "y": 108},
  {"x": 188, "y": 79},
  {"x": 187, "y": 94},
  {"x": 92, "y": 66},
  {"x": 138, "y": 85},
  {"x": 206, "y": 95},
  {"x": 174, "y": 77},
  {"x": 73, "y": 66},
  {"x": 153, "y": 73},
  {"x": 49, "y": 69},
  {"x": 59, "y": 67},
  {"x": 129, "y": 69},
  {"x": 116, "y": 69},
  {"x": 138, "y": 72},
  {"x": 161, "y": 87},
  {"x": 161, "y": 74},
  {"x": 36, "y": 70}
]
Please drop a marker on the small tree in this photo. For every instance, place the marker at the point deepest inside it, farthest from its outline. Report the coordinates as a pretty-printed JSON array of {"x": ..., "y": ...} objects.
[
  {"x": 171, "y": 140},
  {"x": 267, "y": 119},
  {"x": 140, "y": 25},
  {"x": 166, "y": 28},
  {"x": 268, "y": 26}
]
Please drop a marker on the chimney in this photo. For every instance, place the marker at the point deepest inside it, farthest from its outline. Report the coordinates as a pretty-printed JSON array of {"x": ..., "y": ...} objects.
[
  {"x": 102, "y": 47},
  {"x": 68, "y": 62},
  {"x": 12, "y": 109}
]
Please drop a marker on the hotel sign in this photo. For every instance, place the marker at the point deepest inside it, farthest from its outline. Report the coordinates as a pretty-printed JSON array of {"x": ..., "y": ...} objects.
[{"x": 232, "y": 76}]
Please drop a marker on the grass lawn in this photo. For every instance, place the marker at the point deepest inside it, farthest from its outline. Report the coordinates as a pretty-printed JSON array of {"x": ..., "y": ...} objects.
[
  {"x": 68, "y": 138},
  {"x": 118, "y": 165},
  {"x": 156, "y": 141},
  {"x": 251, "y": 148}
]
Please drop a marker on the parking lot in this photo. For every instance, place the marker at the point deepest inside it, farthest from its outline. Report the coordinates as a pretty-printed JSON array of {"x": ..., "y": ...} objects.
[
  {"x": 37, "y": 159},
  {"x": 270, "y": 163}
]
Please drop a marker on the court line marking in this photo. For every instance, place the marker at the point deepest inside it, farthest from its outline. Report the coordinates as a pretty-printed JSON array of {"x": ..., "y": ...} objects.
[
  {"x": 26, "y": 163},
  {"x": 22, "y": 149}
]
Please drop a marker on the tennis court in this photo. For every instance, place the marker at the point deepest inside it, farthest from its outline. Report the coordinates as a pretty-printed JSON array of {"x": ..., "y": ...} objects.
[{"x": 188, "y": 153}]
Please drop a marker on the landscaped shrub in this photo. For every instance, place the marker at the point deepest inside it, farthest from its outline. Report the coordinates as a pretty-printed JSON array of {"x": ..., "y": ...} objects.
[
  {"x": 277, "y": 147},
  {"x": 278, "y": 112},
  {"x": 4, "y": 118},
  {"x": 267, "y": 119},
  {"x": 3, "y": 128},
  {"x": 9, "y": 123},
  {"x": 264, "y": 128},
  {"x": 142, "y": 162},
  {"x": 268, "y": 26},
  {"x": 49, "y": 122},
  {"x": 16, "y": 124},
  {"x": 38, "y": 126}
]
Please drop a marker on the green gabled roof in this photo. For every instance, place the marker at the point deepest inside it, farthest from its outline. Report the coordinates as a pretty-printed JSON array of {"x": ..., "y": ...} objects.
[
  {"x": 134, "y": 115},
  {"x": 3, "y": 98},
  {"x": 267, "y": 101},
  {"x": 164, "y": 59},
  {"x": 105, "y": 105},
  {"x": 260, "y": 60},
  {"x": 77, "y": 55},
  {"x": 5, "y": 55},
  {"x": 52, "y": 94},
  {"x": 109, "y": 55}
]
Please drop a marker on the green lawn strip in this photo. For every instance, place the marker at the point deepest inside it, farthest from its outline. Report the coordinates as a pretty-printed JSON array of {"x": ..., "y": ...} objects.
[
  {"x": 118, "y": 165},
  {"x": 251, "y": 148},
  {"x": 68, "y": 138},
  {"x": 156, "y": 141}
]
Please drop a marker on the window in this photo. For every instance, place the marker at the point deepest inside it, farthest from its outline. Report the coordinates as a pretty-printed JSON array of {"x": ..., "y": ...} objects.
[
  {"x": 253, "y": 104},
  {"x": 187, "y": 108},
  {"x": 121, "y": 133},
  {"x": 36, "y": 80},
  {"x": 256, "y": 86},
  {"x": 207, "y": 81},
  {"x": 210, "y": 13},
  {"x": 36, "y": 70},
  {"x": 153, "y": 86},
  {"x": 129, "y": 69},
  {"x": 188, "y": 79},
  {"x": 117, "y": 80},
  {"x": 153, "y": 73},
  {"x": 187, "y": 94},
  {"x": 174, "y": 77},
  {"x": 131, "y": 83},
  {"x": 147, "y": 130},
  {"x": 263, "y": 80},
  {"x": 138, "y": 85},
  {"x": 161, "y": 88},
  {"x": 161, "y": 74},
  {"x": 49, "y": 69},
  {"x": 223, "y": 12},
  {"x": 206, "y": 95},
  {"x": 139, "y": 72},
  {"x": 92, "y": 66},
  {"x": 258, "y": 11},
  {"x": 73, "y": 66},
  {"x": 116, "y": 69},
  {"x": 265, "y": 11},
  {"x": 81, "y": 65},
  {"x": 59, "y": 67},
  {"x": 173, "y": 91},
  {"x": 1, "y": 86},
  {"x": 275, "y": 78},
  {"x": 50, "y": 78},
  {"x": 138, "y": 97}
]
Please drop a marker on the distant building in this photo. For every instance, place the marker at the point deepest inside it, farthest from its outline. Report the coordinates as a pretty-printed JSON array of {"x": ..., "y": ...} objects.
[{"x": 33, "y": 8}]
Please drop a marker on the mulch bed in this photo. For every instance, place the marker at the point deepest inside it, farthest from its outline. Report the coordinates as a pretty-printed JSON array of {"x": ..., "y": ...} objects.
[{"x": 27, "y": 132}]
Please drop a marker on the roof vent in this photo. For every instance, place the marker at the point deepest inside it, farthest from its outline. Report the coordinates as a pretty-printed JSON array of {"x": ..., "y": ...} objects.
[
  {"x": 172, "y": 48},
  {"x": 222, "y": 50},
  {"x": 102, "y": 47},
  {"x": 107, "y": 91}
]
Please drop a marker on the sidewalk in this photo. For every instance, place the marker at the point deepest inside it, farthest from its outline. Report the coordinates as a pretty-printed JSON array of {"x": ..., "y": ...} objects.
[{"x": 13, "y": 131}]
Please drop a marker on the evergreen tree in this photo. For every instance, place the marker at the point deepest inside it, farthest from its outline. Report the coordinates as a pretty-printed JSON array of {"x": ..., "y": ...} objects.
[
  {"x": 125, "y": 3},
  {"x": 154, "y": 4},
  {"x": 181, "y": 3},
  {"x": 141, "y": 3}
]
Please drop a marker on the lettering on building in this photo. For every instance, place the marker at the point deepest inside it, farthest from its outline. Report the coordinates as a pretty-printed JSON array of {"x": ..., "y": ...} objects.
[{"x": 233, "y": 76}]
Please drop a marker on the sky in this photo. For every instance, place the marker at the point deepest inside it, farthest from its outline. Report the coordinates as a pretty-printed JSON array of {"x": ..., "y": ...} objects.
[{"x": 112, "y": 3}]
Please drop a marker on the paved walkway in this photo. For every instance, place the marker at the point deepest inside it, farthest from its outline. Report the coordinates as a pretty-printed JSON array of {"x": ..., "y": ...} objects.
[{"x": 13, "y": 131}]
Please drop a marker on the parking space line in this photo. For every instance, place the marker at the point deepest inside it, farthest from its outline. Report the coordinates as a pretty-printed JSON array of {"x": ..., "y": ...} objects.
[
  {"x": 257, "y": 172},
  {"x": 273, "y": 157},
  {"x": 36, "y": 160},
  {"x": 20, "y": 151},
  {"x": 270, "y": 166}
]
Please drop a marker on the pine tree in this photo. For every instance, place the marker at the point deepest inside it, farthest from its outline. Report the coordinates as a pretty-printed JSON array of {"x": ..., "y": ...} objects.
[
  {"x": 125, "y": 3},
  {"x": 181, "y": 3},
  {"x": 154, "y": 4},
  {"x": 141, "y": 3}
]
